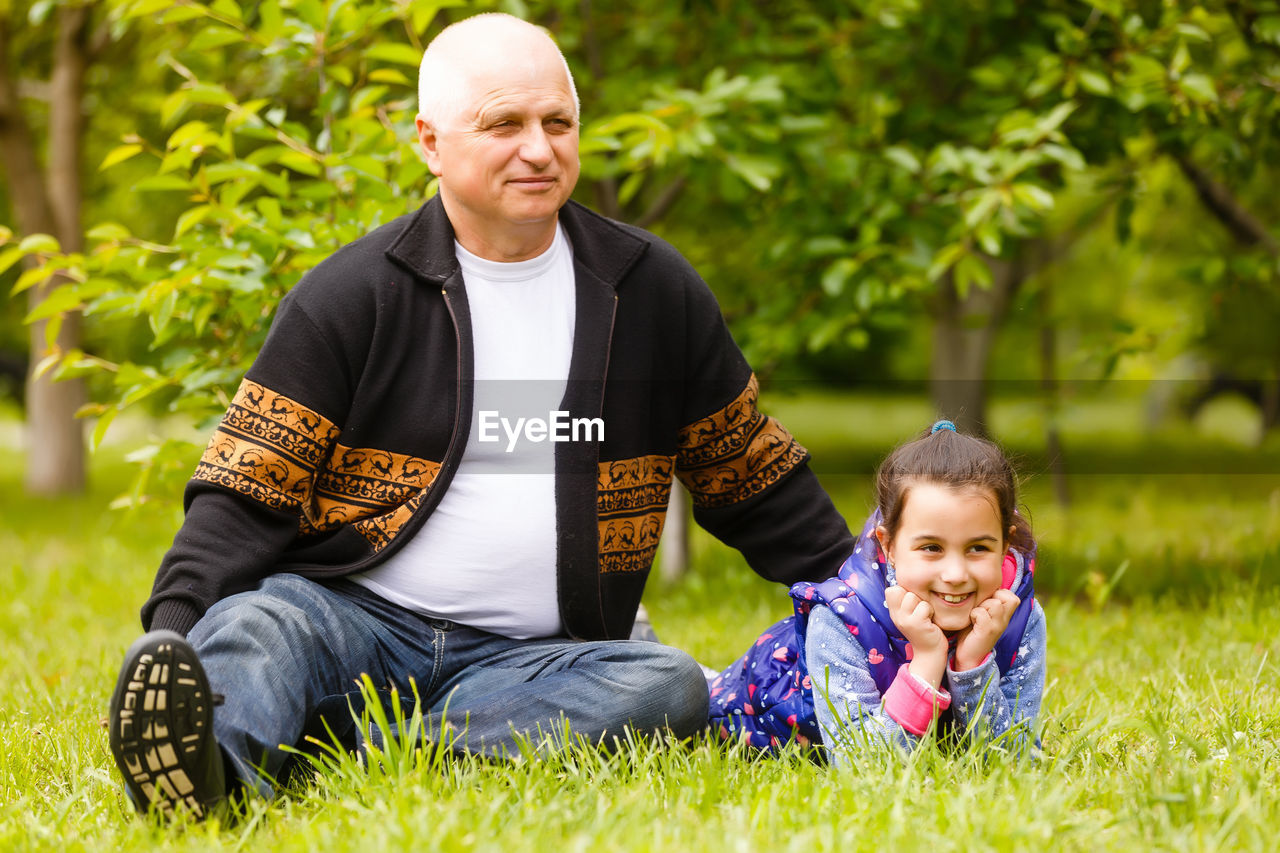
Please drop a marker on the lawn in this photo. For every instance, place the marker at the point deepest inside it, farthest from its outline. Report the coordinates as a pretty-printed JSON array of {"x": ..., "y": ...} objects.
[{"x": 1161, "y": 721}]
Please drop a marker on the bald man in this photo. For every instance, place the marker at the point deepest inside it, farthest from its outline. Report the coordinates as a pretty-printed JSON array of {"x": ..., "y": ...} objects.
[{"x": 449, "y": 467}]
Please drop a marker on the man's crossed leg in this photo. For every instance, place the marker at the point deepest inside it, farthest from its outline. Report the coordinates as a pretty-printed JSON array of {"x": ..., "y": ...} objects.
[{"x": 294, "y": 647}]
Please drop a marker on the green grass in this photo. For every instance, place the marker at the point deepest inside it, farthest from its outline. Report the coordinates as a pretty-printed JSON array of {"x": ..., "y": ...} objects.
[{"x": 1161, "y": 717}]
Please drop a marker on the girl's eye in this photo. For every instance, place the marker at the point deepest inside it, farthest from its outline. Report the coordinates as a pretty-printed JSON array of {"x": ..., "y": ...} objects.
[
  {"x": 979, "y": 548},
  {"x": 932, "y": 549}
]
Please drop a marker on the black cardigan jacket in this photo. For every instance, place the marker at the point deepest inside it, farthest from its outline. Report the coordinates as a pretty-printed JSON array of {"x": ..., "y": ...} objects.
[{"x": 350, "y": 424}]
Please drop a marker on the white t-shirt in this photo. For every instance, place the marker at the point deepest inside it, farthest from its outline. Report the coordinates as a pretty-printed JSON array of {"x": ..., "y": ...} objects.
[{"x": 486, "y": 557}]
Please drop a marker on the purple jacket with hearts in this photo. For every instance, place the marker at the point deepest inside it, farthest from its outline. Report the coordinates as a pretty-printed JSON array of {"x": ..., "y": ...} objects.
[{"x": 767, "y": 696}]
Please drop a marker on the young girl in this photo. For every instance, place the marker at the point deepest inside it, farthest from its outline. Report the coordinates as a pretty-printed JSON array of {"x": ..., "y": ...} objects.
[{"x": 932, "y": 617}]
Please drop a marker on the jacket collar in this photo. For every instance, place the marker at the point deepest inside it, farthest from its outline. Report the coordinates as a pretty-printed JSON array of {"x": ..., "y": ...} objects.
[{"x": 425, "y": 244}]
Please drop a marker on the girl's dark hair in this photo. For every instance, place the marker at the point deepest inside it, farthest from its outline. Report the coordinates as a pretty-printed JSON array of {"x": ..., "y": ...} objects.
[{"x": 947, "y": 458}]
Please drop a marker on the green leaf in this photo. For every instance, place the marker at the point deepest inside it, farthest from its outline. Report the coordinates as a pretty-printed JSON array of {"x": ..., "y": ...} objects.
[
  {"x": 1200, "y": 88},
  {"x": 186, "y": 134},
  {"x": 759, "y": 172},
  {"x": 58, "y": 301},
  {"x": 1067, "y": 156},
  {"x": 423, "y": 13},
  {"x": 1093, "y": 82},
  {"x": 401, "y": 54},
  {"x": 44, "y": 365},
  {"x": 944, "y": 259},
  {"x": 109, "y": 232},
  {"x": 101, "y": 427},
  {"x": 270, "y": 209},
  {"x": 238, "y": 169},
  {"x": 212, "y": 37},
  {"x": 389, "y": 75},
  {"x": 837, "y": 275},
  {"x": 988, "y": 235},
  {"x": 300, "y": 162},
  {"x": 826, "y": 244},
  {"x": 173, "y": 106},
  {"x": 1193, "y": 32},
  {"x": 1055, "y": 118},
  {"x": 178, "y": 14},
  {"x": 9, "y": 257},
  {"x": 981, "y": 210},
  {"x": 1035, "y": 197},
  {"x": 39, "y": 244},
  {"x": 30, "y": 278},
  {"x": 157, "y": 183},
  {"x": 903, "y": 157},
  {"x": 630, "y": 186},
  {"x": 163, "y": 313},
  {"x": 142, "y": 8},
  {"x": 119, "y": 155},
  {"x": 191, "y": 218},
  {"x": 971, "y": 270},
  {"x": 339, "y": 73},
  {"x": 227, "y": 9}
]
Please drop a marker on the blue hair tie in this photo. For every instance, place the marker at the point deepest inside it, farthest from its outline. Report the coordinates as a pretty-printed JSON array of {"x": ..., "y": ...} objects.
[{"x": 942, "y": 425}]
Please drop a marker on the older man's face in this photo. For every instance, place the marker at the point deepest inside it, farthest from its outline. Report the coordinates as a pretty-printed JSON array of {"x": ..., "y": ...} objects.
[{"x": 510, "y": 159}]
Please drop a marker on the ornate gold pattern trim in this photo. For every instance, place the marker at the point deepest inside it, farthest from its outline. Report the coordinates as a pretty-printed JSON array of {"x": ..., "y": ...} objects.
[
  {"x": 267, "y": 447},
  {"x": 629, "y": 544},
  {"x": 735, "y": 453},
  {"x": 274, "y": 419},
  {"x": 381, "y": 529},
  {"x": 369, "y": 486},
  {"x": 631, "y": 502}
]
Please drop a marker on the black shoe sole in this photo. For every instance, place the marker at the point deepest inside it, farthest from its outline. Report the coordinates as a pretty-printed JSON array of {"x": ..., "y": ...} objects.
[{"x": 162, "y": 728}]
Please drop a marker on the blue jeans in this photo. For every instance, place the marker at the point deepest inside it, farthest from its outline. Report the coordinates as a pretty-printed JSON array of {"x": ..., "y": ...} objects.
[{"x": 291, "y": 652}]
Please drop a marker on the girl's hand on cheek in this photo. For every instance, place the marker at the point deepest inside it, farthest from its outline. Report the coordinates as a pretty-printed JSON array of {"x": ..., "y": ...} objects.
[
  {"x": 914, "y": 618},
  {"x": 988, "y": 621}
]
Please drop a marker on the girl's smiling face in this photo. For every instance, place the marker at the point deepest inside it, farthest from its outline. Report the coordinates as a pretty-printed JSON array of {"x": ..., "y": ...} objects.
[{"x": 948, "y": 550}]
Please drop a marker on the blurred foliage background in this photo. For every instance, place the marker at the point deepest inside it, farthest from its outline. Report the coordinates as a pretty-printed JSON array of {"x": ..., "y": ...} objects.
[{"x": 969, "y": 201}]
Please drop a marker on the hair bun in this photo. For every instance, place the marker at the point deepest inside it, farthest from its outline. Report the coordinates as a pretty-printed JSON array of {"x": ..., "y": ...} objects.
[{"x": 942, "y": 425}]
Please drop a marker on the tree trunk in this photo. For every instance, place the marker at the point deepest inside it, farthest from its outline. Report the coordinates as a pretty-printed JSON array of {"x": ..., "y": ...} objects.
[
  {"x": 1049, "y": 388},
  {"x": 964, "y": 333},
  {"x": 55, "y": 438},
  {"x": 675, "y": 536}
]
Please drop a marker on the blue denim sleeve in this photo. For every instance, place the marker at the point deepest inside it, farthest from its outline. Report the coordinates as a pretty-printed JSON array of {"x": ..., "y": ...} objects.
[
  {"x": 846, "y": 702},
  {"x": 982, "y": 711}
]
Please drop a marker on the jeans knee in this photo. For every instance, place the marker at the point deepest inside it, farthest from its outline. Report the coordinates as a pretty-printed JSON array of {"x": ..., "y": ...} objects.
[
  {"x": 680, "y": 679},
  {"x": 257, "y": 619}
]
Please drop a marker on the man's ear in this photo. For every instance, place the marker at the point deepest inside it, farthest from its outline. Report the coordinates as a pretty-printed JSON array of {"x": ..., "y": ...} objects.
[{"x": 428, "y": 142}]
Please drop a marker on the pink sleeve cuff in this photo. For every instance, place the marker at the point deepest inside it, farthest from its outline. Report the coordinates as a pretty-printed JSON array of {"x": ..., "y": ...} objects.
[{"x": 912, "y": 703}]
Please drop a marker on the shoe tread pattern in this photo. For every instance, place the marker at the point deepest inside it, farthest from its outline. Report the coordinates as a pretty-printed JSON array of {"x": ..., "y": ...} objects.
[{"x": 161, "y": 717}]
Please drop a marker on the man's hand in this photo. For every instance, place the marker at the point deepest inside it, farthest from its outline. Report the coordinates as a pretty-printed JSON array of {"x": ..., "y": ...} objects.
[
  {"x": 988, "y": 621},
  {"x": 914, "y": 618}
]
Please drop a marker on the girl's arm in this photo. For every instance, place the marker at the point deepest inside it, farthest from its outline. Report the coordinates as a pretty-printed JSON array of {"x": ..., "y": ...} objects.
[
  {"x": 1016, "y": 704},
  {"x": 847, "y": 704}
]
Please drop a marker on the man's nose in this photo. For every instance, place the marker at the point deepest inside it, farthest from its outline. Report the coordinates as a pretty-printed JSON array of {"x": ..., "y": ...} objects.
[{"x": 535, "y": 147}]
